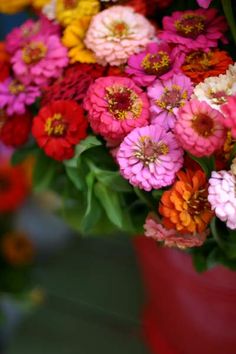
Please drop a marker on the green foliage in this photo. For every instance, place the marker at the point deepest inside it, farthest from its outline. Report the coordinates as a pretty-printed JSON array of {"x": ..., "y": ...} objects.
[{"x": 206, "y": 163}]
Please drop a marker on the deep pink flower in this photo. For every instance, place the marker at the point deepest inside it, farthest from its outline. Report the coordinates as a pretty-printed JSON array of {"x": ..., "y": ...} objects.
[
  {"x": 22, "y": 35},
  {"x": 149, "y": 157},
  {"x": 194, "y": 29},
  {"x": 157, "y": 61},
  {"x": 229, "y": 111},
  {"x": 14, "y": 96},
  {"x": 40, "y": 60},
  {"x": 116, "y": 106},
  {"x": 199, "y": 128},
  {"x": 166, "y": 96},
  {"x": 204, "y": 3}
]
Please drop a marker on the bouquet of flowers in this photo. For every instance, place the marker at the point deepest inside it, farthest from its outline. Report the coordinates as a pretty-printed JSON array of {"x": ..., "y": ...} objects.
[{"x": 129, "y": 109}]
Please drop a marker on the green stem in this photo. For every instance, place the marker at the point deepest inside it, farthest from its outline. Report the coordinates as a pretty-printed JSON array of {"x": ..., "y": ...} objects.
[{"x": 228, "y": 10}]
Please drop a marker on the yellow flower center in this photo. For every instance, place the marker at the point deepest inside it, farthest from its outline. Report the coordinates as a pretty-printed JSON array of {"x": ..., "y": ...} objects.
[
  {"x": 191, "y": 25},
  {"x": 34, "y": 52},
  {"x": 171, "y": 98},
  {"x": 198, "y": 202},
  {"x": 148, "y": 150},
  {"x": 156, "y": 64},
  {"x": 199, "y": 60},
  {"x": 120, "y": 29},
  {"x": 55, "y": 125},
  {"x": 203, "y": 125},
  {"x": 16, "y": 87}
]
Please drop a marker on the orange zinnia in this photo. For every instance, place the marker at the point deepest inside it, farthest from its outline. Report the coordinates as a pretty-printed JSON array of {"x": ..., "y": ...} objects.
[
  {"x": 185, "y": 206},
  {"x": 199, "y": 65},
  {"x": 17, "y": 249}
]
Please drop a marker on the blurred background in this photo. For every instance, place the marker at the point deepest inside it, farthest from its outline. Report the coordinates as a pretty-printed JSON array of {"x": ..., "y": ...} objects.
[{"x": 85, "y": 295}]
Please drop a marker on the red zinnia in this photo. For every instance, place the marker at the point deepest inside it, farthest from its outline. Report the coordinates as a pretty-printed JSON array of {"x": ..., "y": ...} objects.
[
  {"x": 4, "y": 63},
  {"x": 58, "y": 127},
  {"x": 13, "y": 187},
  {"x": 15, "y": 130}
]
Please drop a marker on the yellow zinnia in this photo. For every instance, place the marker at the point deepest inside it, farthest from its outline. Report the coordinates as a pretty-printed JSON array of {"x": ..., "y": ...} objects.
[
  {"x": 68, "y": 10},
  {"x": 73, "y": 38},
  {"x": 13, "y": 6}
]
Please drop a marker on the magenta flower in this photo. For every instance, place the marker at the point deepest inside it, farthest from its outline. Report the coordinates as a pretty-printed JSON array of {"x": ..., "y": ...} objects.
[
  {"x": 195, "y": 29},
  {"x": 166, "y": 96},
  {"x": 172, "y": 238},
  {"x": 204, "y": 3},
  {"x": 229, "y": 111},
  {"x": 149, "y": 157},
  {"x": 116, "y": 106},
  {"x": 199, "y": 128},
  {"x": 22, "y": 35},
  {"x": 40, "y": 60},
  {"x": 14, "y": 96},
  {"x": 157, "y": 61},
  {"x": 222, "y": 186}
]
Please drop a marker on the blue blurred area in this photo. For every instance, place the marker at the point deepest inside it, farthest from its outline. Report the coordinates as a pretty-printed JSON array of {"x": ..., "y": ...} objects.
[{"x": 7, "y": 22}]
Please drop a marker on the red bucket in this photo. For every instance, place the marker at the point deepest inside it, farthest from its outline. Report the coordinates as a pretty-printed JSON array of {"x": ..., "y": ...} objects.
[{"x": 187, "y": 312}]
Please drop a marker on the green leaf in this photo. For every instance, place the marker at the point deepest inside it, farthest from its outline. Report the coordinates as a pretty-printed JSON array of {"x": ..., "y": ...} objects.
[
  {"x": 111, "y": 203},
  {"x": 206, "y": 163},
  {"x": 45, "y": 170},
  {"x": 225, "y": 238},
  {"x": 199, "y": 262},
  {"x": 23, "y": 153},
  {"x": 114, "y": 181},
  {"x": 74, "y": 176}
]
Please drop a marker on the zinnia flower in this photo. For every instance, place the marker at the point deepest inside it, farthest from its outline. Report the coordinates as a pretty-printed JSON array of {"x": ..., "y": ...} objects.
[
  {"x": 229, "y": 111},
  {"x": 20, "y": 36},
  {"x": 116, "y": 106},
  {"x": 13, "y": 6},
  {"x": 73, "y": 39},
  {"x": 73, "y": 85},
  {"x": 166, "y": 96},
  {"x": 14, "y": 96},
  {"x": 49, "y": 10},
  {"x": 170, "y": 237},
  {"x": 199, "y": 128},
  {"x": 69, "y": 10},
  {"x": 204, "y": 3},
  {"x": 194, "y": 29},
  {"x": 17, "y": 249},
  {"x": 16, "y": 129},
  {"x": 185, "y": 206},
  {"x": 40, "y": 60},
  {"x": 149, "y": 157},
  {"x": 231, "y": 70},
  {"x": 116, "y": 33},
  {"x": 4, "y": 63},
  {"x": 222, "y": 186},
  {"x": 158, "y": 60},
  {"x": 215, "y": 90},
  {"x": 200, "y": 64},
  {"x": 13, "y": 187},
  {"x": 58, "y": 127}
]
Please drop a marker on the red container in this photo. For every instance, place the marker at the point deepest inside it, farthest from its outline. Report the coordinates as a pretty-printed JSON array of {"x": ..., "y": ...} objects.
[{"x": 187, "y": 312}]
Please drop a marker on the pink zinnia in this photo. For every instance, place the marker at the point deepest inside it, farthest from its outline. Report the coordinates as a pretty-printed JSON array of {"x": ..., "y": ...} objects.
[
  {"x": 158, "y": 60},
  {"x": 222, "y": 186},
  {"x": 14, "y": 96},
  {"x": 194, "y": 29},
  {"x": 116, "y": 33},
  {"x": 172, "y": 238},
  {"x": 40, "y": 60},
  {"x": 204, "y": 3},
  {"x": 229, "y": 111},
  {"x": 116, "y": 106},
  {"x": 24, "y": 34},
  {"x": 199, "y": 128},
  {"x": 149, "y": 157},
  {"x": 166, "y": 96}
]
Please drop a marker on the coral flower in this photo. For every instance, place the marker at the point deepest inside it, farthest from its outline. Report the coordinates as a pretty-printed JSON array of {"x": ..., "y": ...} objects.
[
  {"x": 149, "y": 157},
  {"x": 16, "y": 129},
  {"x": 14, "y": 96},
  {"x": 73, "y": 39},
  {"x": 199, "y": 64},
  {"x": 166, "y": 96},
  {"x": 158, "y": 60},
  {"x": 69, "y": 10},
  {"x": 4, "y": 63},
  {"x": 116, "y": 106},
  {"x": 170, "y": 237},
  {"x": 17, "y": 249},
  {"x": 185, "y": 206},
  {"x": 199, "y": 128},
  {"x": 13, "y": 6},
  {"x": 222, "y": 186},
  {"x": 13, "y": 187},
  {"x": 194, "y": 29},
  {"x": 116, "y": 33},
  {"x": 229, "y": 111},
  {"x": 22, "y": 35},
  {"x": 40, "y": 60},
  {"x": 58, "y": 127}
]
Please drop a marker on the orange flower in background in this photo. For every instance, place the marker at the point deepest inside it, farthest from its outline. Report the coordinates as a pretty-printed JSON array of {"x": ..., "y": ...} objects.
[
  {"x": 4, "y": 63},
  {"x": 14, "y": 187},
  {"x": 17, "y": 249},
  {"x": 199, "y": 65},
  {"x": 13, "y": 6},
  {"x": 185, "y": 206}
]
